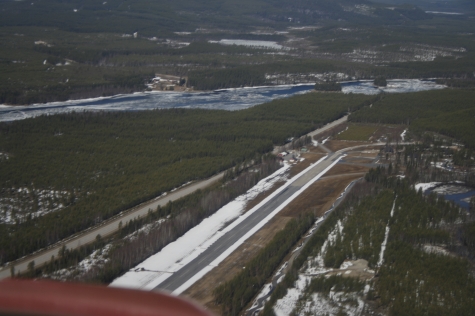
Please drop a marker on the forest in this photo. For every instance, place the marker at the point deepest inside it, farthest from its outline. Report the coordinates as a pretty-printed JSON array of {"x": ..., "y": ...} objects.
[
  {"x": 64, "y": 173},
  {"x": 56, "y": 51},
  {"x": 328, "y": 86},
  {"x": 108, "y": 162},
  {"x": 142, "y": 237},
  {"x": 450, "y": 112},
  {"x": 409, "y": 280},
  {"x": 384, "y": 208}
]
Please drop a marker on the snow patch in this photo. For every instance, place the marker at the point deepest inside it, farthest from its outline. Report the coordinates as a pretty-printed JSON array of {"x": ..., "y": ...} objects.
[
  {"x": 403, "y": 134},
  {"x": 175, "y": 255},
  {"x": 385, "y": 241},
  {"x": 426, "y": 186},
  {"x": 97, "y": 259},
  {"x": 345, "y": 265},
  {"x": 286, "y": 305},
  {"x": 435, "y": 249},
  {"x": 250, "y": 43}
]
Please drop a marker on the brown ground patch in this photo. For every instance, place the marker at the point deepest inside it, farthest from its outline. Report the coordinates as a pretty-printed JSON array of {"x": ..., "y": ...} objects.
[
  {"x": 202, "y": 291},
  {"x": 319, "y": 196},
  {"x": 358, "y": 160},
  {"x": 335, "y": 145},
  {"x": 370, "y": 154},
  {"x": 317, "y": 150},
  {"x": 311, "y": 157},
  {"x": 357, "y": 269},
  {"x": 343, "y": 169}
]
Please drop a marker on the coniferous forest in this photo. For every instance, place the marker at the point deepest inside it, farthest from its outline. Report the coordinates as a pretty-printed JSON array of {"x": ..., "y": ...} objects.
[
  {"x": 109, "y": 162},
  {"x": 410, "y": 277},
  {"x": 62, "y": 174},
  {"x": 449, "y": 111}
]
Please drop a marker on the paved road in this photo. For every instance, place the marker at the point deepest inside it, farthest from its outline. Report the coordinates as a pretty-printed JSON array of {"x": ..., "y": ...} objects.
[
  {"x": 108, "y": 227},
  {"x": 227, "y": 240}
]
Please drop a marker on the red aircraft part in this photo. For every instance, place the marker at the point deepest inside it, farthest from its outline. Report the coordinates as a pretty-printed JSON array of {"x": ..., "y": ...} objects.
[{"x": 40, "y": 297}]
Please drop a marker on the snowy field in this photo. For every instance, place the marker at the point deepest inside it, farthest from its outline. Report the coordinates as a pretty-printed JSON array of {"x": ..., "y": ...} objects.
[
  {"x": 446, "y": 13},
  {"x": 297, "y": 301},
  {"x": 250, "y": 43},
  {"x": 226, "y": 99},
  {"x": 456, "y": 191},
  {"x": 393, "y": 86},
  {"x": 96, "y": 260},
  {"x": 19, "y": 204}
]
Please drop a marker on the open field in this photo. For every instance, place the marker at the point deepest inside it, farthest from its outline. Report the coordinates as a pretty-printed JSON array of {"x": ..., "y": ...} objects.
[
  {"x": 71, "y": 50},
  {"x": 363, "y": 154},
  {"x": 320, "y": 196},
  {"x": 392, "y": 132},
  {"x": 335, "y": 145},
  {"x": 357, "y": 132},
  {"x": 343, "y": 170}
]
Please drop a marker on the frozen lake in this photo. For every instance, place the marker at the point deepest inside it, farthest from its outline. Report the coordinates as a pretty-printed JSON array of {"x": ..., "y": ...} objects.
[
  {"x": 393, "y": 86},
  {"x": 458, "y": 193},
  {"x": 251, "y": 43},
  {"x": 227, "y": 99}
]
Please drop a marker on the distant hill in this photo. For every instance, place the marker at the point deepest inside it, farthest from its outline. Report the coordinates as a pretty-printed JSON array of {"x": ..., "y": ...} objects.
[
  {"x": 436, "y": 5},
  {"x": 148, "y": 16}
]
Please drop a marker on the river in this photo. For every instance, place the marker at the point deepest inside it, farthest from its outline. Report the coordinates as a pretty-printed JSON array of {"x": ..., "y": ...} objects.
[{"x": 226, "y": 99}]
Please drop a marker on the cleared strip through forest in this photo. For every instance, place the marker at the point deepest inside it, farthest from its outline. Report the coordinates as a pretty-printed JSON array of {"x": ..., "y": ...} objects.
[{"x": 255, "y": 219}]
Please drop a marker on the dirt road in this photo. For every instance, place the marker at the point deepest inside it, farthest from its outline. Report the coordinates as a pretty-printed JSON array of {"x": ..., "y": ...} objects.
[{"x": 108, "y": 227}]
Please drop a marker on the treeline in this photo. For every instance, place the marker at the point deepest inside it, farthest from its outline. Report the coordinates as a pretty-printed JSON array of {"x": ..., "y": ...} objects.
[
  {"x": 458, "y": 83},
  {"x": 380, "y": 82},
  {"x": 312, "y": 248},
  {"x": 362, "y": 231},
  {"x": 63, "y": 92},
  {"x": 114, "y": 161},
  {"x": 328, "y": 86},
  {"x": 225, "y": 78},
  {"x": 336, "y": 283},
  {"x": 65, "y": 259},
  {"x": 411, "y": 281},
  {"x": 424, "y": 280},
  {"x": 449, "y": 112}
]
